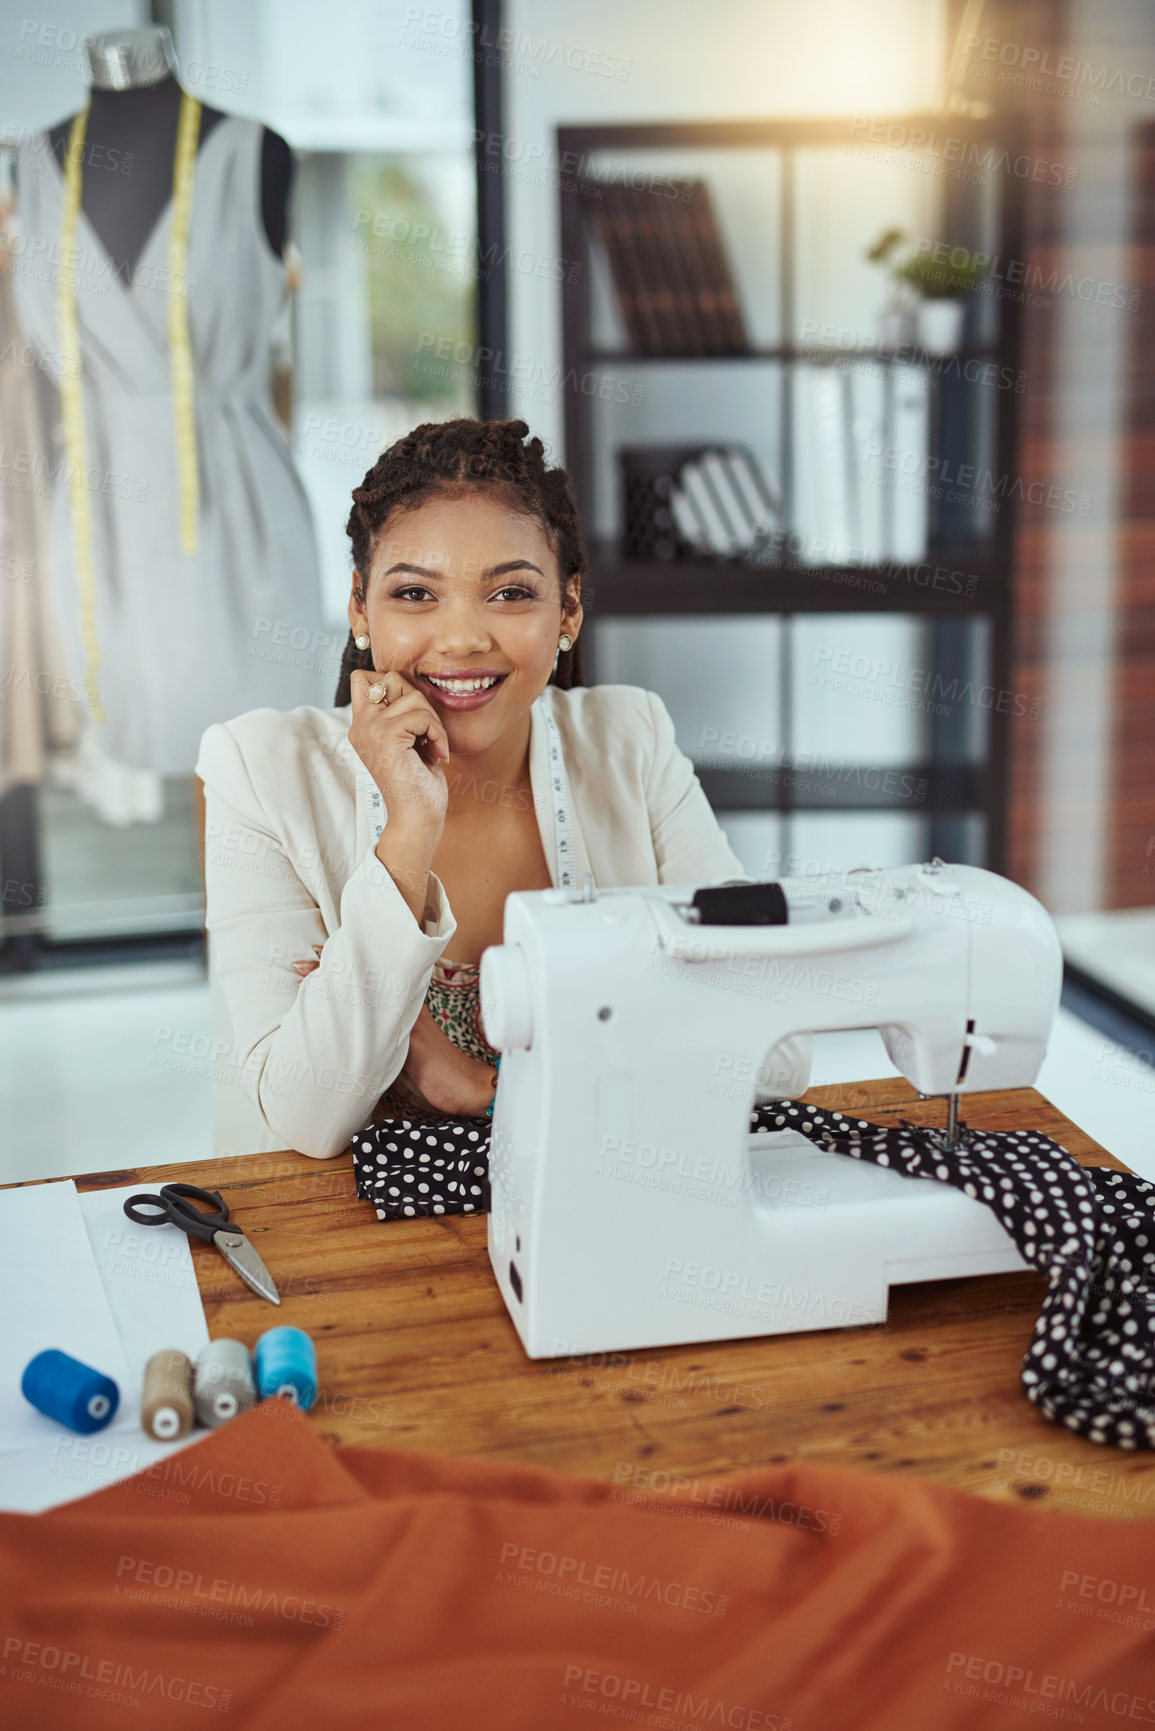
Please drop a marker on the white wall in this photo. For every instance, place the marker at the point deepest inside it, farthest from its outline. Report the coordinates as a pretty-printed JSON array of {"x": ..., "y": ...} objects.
[
  {"x": 43, "y": 69},
  {"x": 351, "y": 74}
]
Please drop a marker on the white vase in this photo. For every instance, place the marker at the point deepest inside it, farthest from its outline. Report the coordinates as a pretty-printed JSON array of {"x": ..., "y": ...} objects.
[
  {"x": 940, "y": 325},
  {"x": 895, "y": 326}
]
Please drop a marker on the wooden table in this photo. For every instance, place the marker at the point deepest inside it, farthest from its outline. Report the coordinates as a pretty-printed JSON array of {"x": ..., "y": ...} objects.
[{"x": 416, "y": 1351}]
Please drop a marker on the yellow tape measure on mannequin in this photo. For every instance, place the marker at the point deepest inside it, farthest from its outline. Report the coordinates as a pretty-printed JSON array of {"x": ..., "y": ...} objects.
[
  {"x": 179, "y": 347},
  {"x": 72, "y": 407},
  {"x": 71, "y": 370}
]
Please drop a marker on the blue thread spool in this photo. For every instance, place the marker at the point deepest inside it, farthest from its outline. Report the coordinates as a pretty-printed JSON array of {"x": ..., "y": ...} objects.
[
  {"x": 70, "y": 1392},
  {"x": 286, "y": 1364}
]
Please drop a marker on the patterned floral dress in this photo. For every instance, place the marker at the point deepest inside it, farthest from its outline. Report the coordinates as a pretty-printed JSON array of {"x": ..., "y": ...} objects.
[{"x": 454, "y": 1002}]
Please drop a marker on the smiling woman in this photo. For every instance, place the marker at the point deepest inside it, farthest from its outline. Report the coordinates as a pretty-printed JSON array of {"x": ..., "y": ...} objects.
[{"x": 347, "y": 849}]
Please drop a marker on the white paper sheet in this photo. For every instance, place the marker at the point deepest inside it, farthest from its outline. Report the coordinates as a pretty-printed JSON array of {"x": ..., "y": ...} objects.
[
  {"x": 80, "y": 1276},
  {"x": 147, "y": 1274},
  {"x": 51, "y": 1294}
]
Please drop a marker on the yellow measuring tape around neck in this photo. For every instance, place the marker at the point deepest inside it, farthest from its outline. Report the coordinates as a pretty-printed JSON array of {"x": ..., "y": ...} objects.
[{"x": 71, "y": 369}]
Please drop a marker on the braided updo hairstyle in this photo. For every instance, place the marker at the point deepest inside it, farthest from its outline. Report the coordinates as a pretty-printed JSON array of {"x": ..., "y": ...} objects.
[{"x": 452, "y": 456}]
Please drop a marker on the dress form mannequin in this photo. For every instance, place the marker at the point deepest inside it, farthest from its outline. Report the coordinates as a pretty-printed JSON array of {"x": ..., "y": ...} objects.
[
  {"x": 200, "y": 537},
  {"x": 132, "y": 118}
]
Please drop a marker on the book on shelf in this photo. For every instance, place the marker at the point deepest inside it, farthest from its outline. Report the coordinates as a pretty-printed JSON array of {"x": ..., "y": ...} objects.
[
  {"x": 832, "y": 451},
  {"x": 608, "y": 224},
  {"x": 763, "y": 510},
  {"x": 699, "y": 500},
  {"x": 706, "y": 501},
  {"x": 690, "y": 334},
  {"x": 908, "y": 530},
  {"x": 860, "y": 464},
  {"x": 657, "y": 290},
  {"x": 669, "y": 268},
  {"x": 717, "y": 299}
]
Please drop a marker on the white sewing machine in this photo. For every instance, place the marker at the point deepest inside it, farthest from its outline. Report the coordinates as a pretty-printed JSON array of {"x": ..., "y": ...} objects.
[{"x": 631, "y": 1205}]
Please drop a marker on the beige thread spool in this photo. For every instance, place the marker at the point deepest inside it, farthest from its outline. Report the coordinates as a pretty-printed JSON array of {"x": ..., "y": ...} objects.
[
  {"x": 166, "y": 1403},
  {"x": 224, "y": 1382}
]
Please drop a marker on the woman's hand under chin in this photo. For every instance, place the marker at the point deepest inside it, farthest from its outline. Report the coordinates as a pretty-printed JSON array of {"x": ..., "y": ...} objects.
[{"x": 436, "y": 1072}]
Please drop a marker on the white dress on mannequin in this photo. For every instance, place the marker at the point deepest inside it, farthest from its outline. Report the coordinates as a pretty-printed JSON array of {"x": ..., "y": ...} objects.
[{"x": 184, "y": 638}]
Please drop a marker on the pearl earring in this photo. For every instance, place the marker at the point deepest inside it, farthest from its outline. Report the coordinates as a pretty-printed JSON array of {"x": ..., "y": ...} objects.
[
  {"x": 362, "y": 641},
  {"x": 565, "y": 641}
]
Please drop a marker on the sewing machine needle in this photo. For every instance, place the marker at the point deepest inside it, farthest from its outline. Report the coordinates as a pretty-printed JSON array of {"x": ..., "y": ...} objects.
[{"x": 952, "y": 1120}]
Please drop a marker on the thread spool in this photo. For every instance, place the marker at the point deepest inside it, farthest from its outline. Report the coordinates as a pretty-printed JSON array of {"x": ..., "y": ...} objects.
[
  {"x": 287, "y": 1365},
  {"x": 166, "y": 1403},
  {"x": 224, "y": 1382},
  {"x": 70, "y": 1392}
]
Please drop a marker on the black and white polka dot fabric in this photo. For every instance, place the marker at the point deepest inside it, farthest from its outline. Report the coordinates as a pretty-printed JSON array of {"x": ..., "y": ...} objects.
[
  {"x": 410, "y": 1168},
  {"x": 1091, "y": 1365}
]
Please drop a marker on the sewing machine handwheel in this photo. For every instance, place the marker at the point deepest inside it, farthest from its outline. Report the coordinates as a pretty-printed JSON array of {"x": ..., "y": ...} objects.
[
  {"x": 506, "y": 998},
  {"x": 741, "y": 905}
]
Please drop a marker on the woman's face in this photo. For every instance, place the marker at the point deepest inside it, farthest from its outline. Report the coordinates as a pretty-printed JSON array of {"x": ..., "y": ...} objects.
[{"x": 461, "y": 584}]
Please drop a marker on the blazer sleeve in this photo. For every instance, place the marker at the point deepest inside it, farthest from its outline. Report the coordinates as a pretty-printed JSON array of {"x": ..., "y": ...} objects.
[
  {"x": 691, "y": 848},
  {"x": 314, "y": 1055}
]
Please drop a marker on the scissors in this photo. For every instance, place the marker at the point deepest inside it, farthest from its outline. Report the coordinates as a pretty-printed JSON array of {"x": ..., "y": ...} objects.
[{"x": 174, "y": 1207}]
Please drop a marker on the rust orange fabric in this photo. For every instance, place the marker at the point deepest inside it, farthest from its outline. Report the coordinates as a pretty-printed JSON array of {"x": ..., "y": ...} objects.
[{"x": 261, "y": 1579}]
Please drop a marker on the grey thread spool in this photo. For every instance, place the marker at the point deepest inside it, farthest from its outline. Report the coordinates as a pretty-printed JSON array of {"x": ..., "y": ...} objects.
[
  {"x": 224, "y": 1382},
  {"x": 166, "y": 1404}
]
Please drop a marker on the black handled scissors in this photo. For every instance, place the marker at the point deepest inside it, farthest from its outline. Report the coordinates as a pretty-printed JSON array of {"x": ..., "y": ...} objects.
[{"x": 174, "y": 1207}]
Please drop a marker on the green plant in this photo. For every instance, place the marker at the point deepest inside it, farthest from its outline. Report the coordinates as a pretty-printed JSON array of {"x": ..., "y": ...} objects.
[
  {"x": 944, "y": 280},
  {"x": 935, "y": 274},
  {"x": 884, "y": 245}
]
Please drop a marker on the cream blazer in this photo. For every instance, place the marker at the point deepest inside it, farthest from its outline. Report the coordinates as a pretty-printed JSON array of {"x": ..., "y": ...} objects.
[{"x": 290, "y": 862}]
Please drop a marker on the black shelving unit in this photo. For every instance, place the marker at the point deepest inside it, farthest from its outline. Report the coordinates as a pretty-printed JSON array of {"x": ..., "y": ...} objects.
[{"x": 951, "y": 786}]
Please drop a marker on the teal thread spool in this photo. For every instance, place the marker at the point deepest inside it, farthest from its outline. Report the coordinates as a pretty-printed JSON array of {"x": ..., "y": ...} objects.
[
  {"x": 70, "y": 1392},
  {"x": 286, "y": 1364}
]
